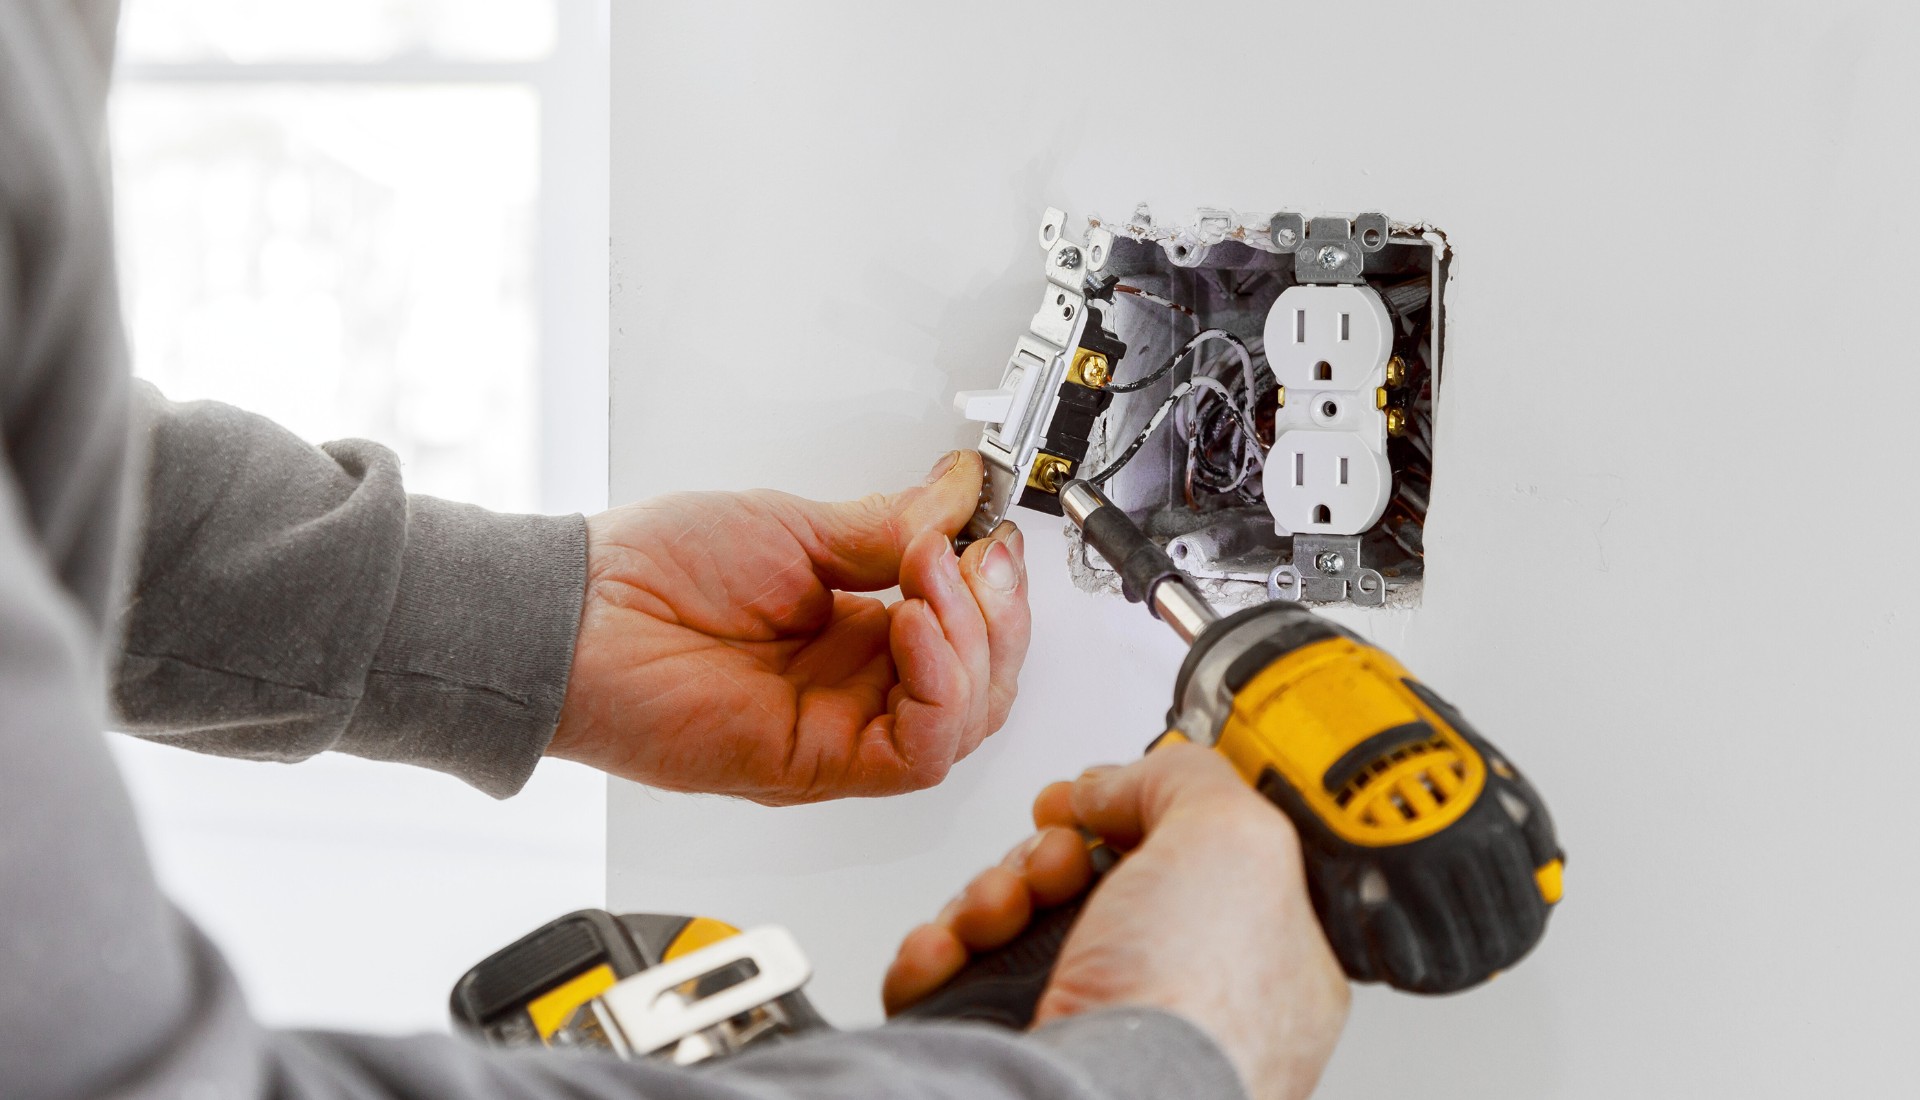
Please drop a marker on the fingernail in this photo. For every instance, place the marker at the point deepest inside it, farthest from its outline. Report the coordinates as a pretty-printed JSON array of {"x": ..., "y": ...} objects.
[
  {"x": 998, "y": 568},
  {"x": 941, "y": 467},
  {"x": 1017, "y": 859},
  {"x": 1099, "y": 771},
  {"x": 951, "y": 911}
]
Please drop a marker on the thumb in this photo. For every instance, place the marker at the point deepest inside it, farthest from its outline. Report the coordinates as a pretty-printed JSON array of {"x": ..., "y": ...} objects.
[
  {"x": 857, "y": 545},
  {"x": 1123, "y": 805}
]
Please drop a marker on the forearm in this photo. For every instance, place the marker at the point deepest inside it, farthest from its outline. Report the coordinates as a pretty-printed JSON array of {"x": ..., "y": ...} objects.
[{"x": 291, "y": 599}]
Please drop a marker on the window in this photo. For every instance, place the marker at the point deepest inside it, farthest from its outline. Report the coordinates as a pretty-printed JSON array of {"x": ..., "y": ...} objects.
[{"x": 376, "y": 218}]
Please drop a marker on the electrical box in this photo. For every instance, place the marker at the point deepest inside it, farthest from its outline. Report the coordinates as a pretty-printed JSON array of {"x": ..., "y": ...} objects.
[{"x": 1257, "y": 391}]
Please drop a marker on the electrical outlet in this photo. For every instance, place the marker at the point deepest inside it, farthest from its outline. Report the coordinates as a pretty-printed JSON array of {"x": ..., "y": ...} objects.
[
  {"x": 1328, "y": 337},
  {"x": 1256, "y": 391},
  {"x": 1326, "y": 482},
  {"x": 1327, "y": 472}
]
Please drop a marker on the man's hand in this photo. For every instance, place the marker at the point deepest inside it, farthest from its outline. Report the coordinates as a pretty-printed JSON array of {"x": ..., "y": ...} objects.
[
  {"x": 720, "y": 649},
  {"x": 1206, "y": 915}
]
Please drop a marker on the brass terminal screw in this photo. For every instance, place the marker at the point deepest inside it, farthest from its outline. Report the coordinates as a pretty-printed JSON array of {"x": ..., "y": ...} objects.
[
  {"x": 1396, "y": 371},
  {"x": 1396, "y": 421},
  {"x": 1049, "y": 473},
  {"x": 1089, "y": 368}
]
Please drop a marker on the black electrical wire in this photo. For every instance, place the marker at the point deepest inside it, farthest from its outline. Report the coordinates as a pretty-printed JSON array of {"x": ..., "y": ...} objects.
[
  {"x": 1218, "y": 429},
  {"x": 1162, "y": 370},
  {"x": 1139, "y": 441}
]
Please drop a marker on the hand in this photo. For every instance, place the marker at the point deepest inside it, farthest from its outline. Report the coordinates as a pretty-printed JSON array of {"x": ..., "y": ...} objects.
[
  {"x": 1206, "y": 915},
  {"x": 720, "y": 649}
]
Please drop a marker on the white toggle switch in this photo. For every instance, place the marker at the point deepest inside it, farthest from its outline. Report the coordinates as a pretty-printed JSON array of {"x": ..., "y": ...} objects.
[{"x": 987, "y": 406}]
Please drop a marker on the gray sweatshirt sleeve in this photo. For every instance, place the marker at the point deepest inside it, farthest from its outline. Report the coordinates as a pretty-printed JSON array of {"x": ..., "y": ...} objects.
[{"x": 290, "y": 599}]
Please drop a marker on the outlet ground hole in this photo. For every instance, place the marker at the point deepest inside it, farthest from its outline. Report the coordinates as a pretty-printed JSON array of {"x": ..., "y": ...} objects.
[
  {"x": 1322, "y": 514},
  {"x": 1323, "y": 371}
]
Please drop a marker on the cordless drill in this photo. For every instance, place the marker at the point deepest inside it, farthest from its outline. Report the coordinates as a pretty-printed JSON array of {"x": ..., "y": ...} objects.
[{"x": 1431, "y": 862}]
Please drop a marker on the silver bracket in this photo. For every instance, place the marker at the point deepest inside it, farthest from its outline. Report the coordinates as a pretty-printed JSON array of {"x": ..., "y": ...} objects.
[
  {"x": 1327, "y": 569},
  {"x": 656, "y": 1009},
  {"x": 1328, "y": 250}
]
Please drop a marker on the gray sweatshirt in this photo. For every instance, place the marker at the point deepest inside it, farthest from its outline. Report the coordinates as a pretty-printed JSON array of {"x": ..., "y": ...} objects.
[{"x": 288, "y": 600}]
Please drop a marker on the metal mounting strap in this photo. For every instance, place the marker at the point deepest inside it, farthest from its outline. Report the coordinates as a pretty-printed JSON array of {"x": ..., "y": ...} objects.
[{"x": 650, "y": 1010}]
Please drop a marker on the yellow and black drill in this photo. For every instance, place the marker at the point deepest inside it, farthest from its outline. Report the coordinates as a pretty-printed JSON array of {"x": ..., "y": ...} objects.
[{"x": 1432, "y": 863}]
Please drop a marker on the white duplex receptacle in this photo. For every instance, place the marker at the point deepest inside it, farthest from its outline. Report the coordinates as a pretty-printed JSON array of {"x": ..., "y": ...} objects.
[{"x": 1328, "y": 471}]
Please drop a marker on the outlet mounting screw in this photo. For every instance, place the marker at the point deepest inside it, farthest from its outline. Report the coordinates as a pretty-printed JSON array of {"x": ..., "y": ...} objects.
[
  {"x": 1285, "y": 237},
  {"x": 1331, "y": 257},
  {"x": 1330, "y": 562},
  {"x": 1069, "y": 258}
]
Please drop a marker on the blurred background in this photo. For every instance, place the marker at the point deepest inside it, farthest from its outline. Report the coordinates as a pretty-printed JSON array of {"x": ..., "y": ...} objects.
[{"x": 384, "y": 219}]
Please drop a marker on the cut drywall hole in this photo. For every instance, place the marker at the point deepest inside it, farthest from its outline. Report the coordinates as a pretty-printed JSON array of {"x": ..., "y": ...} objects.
[{"x": 1230, "y": 382}]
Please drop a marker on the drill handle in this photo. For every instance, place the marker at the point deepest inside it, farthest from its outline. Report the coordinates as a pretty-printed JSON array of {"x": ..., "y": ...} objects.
[{"x": 1003, "y": 986}]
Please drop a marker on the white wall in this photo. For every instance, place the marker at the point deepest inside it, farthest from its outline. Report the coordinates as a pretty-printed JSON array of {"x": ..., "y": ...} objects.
[{"x": 1670, "y": 521}]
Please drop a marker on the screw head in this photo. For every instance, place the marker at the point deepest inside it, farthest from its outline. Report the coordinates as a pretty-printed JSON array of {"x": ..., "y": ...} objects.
[
  {"x": 1069, "y": 258},
  {"x": 1049, "y": 473},
  {"x": 1095, "y": 372},
  {"x": 1330, "y": 561},
  {"x": 1331, "y": 257},
  {"x": 1396, "y": 421},
  {"x": 1285, "y": 237},
  {"x": 1396, "y": 371}
]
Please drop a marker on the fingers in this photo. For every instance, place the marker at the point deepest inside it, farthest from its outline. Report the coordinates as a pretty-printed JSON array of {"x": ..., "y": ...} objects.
[
  {"x": 992, "y": 910},
  {"x": 929, "y": 956},
  {"x": 1058, "y": 869},
  {"x": 1054, "y": 806},
  {"x": 940, "y": 651},
  {"x": 859, "y": 545},
  {"x": 1049, "y": 868},
  {"x": 996, "y": 574},
  {"x": 1122, "y": 805}
]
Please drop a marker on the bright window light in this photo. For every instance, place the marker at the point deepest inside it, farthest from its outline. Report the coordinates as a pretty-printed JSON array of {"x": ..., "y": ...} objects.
[
  {"x": 339, "y": 30},
  {"x": 348, "y": 260}
]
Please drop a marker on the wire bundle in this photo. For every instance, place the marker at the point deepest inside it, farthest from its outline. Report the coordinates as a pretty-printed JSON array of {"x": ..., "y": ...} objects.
[{"x": 1223, "y": 444}]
